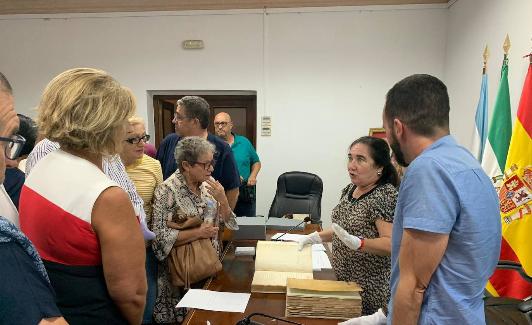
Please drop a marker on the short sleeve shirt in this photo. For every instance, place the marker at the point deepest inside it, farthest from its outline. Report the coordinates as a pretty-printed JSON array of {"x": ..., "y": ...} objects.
[
  {"x": 245, "y": 155},
  {"x": 225, "y": 170},
  {"x": 445, "y": 191},
  {"x": 358, "y": 217}
]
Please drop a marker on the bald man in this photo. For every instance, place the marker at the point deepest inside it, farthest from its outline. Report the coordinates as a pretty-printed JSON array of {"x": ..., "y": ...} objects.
[{"x": 247, "y": 161}]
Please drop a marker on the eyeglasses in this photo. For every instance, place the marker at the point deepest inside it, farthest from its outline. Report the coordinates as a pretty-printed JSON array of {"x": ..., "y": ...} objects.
[
  {"x": 224, "y": 124},
  {"x": 137, "y": 140},
  {"x": 206, "y": 164},
  {"x": 179, "y": 118},
  {"x": 14, "y": 147}
]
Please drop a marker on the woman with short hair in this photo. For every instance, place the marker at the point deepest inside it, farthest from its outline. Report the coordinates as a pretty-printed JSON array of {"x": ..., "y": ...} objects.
[
  {"x": 190, "y": 191},
  {"x": 82, "y": 223}
]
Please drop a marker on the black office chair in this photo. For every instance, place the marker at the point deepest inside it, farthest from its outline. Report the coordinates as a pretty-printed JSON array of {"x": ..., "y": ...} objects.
[
  {"x": 297, "y": 192},
  {"x": 502, "y": 310}
]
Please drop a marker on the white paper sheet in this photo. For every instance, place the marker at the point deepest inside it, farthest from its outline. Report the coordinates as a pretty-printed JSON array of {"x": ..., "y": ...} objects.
[
  {"x": 320, "y": 261},
  {"x": 318, "y": 248},
  {"x": 296, "y": 237},
  {"x": 287, "y": 237},
  {"x": 214, "y": 300}
]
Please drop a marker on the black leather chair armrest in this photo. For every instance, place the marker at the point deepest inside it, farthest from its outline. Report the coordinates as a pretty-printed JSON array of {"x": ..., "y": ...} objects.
[{"x": 525, "y": 306}]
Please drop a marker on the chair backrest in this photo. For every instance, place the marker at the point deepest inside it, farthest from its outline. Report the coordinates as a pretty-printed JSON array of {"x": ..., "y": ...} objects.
[{"x": 297, "y": 192}]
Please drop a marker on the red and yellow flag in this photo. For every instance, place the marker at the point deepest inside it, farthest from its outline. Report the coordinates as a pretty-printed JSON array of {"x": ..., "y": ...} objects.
[{"x": 515, "y": 195}]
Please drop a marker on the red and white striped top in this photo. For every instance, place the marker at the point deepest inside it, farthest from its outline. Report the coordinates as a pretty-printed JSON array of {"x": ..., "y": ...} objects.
[{"x": 55, "y": 208}]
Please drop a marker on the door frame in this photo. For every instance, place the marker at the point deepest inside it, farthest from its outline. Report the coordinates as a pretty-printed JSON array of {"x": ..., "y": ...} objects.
[{"x": 152, "y": 119}]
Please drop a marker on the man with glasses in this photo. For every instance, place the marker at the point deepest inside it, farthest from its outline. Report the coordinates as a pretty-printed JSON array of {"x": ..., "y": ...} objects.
[
  {"x": 15, "y": 176},
  {"x": 26, "y": 296},
  {"x": 247, "y": 161},
  {"x": 192, "y": 119}
]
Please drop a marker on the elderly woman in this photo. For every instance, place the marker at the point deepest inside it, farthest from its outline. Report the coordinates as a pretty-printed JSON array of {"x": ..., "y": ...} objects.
[
  {"x": 82, "y": 223},
  {"x": 365, "y": 209},
  {"x": 192, "y": 191},
  {"x": 146, "y": 174}
]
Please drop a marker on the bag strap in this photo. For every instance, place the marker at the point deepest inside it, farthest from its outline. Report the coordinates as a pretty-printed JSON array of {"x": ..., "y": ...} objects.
[{"x": 187, "y": 278}]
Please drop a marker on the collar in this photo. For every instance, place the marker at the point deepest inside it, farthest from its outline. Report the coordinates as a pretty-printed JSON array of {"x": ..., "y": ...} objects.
[{"x": 445, "y": 140}]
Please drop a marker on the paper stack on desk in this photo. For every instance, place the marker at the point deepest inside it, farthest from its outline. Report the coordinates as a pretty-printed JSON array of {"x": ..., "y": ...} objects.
[
  {"x": 323, "y": 299},
  {"x": 277, "y": 261}
]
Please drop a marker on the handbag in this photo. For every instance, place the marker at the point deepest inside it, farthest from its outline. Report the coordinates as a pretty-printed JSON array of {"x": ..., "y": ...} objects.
[{"x": 194, "y": 261}]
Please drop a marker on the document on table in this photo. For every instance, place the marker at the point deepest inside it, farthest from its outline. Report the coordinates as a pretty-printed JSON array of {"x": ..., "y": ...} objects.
[
  {"x": 214, "y": 300},
  {"x": 287, "y": 236},
  {"x": 320, "y": 261},
  {"x": 296, "y": 237}
]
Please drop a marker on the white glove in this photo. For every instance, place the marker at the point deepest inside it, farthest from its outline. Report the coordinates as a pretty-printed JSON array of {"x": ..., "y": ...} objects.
[
  {"x": 350, "y": 241},
  {"x": 375, "y": 319},
  {"x": 313, "y": 238}
]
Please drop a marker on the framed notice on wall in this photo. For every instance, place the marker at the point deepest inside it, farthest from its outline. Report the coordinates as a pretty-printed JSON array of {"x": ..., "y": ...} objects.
[{"x": 377, "y": 133}]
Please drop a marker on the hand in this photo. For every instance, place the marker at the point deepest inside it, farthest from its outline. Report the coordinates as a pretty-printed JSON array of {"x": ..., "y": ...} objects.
[
  {"x": 252, "y": 181},
  {"x": 350, "y": 241},
  {"x": 313, "y": 238},
  {"x": 216, "y": 190},
  {"x": 206, "y": 230},
  {"x": 377, "y": 318}
]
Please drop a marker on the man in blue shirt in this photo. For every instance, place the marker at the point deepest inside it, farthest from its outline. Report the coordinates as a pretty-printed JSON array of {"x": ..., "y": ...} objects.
[
  {"x": 247, "y": 161},
  {"x": 447, "y": 230},
  {"x": 192, "y": 119}
]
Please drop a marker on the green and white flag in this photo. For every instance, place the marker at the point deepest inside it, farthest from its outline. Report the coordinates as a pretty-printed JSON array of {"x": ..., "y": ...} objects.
[{"x": 500, "y": 130}]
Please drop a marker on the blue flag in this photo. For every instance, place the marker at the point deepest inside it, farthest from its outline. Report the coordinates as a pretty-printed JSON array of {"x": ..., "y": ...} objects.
[{"x": 481, "y": 121}]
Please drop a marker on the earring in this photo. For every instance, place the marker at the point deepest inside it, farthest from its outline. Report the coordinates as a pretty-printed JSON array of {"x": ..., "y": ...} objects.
[{"x": 379, "y": 173}]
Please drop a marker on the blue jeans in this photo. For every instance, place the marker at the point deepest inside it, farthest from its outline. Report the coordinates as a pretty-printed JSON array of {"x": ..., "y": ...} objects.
[{"x": 151, "y": 275}]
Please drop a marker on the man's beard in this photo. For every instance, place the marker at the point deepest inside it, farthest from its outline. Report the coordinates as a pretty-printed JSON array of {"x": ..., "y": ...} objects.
[{"x": 397, "y": 152}]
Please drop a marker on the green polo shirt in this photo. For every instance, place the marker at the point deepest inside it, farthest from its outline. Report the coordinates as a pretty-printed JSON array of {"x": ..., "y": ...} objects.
[{"x": 245, "y": 155}]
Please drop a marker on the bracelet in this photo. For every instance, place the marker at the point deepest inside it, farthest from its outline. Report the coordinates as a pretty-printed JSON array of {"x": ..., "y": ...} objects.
[{"x": 361, "y": 243}]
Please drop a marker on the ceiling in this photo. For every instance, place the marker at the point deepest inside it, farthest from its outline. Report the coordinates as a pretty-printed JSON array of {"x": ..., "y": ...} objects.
[{"x": 92, "y": 6}]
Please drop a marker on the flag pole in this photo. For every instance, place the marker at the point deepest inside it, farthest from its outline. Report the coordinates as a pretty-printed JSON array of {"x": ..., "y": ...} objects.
[
  {"x": 506, "y": 47},
  {"x": 486, "y": 56},
  {"x": 529, "y": 55}
]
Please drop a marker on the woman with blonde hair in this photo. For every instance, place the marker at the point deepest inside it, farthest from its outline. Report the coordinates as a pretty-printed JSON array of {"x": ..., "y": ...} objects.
[
  {"x": 146, "y": 174},
  {"x": 82, "y": 223}
]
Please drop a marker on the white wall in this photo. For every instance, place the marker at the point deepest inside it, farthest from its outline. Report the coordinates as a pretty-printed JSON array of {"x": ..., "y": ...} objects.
[
  {"x": 321, "y": 74},
  {"x": 472, "y": 25}
]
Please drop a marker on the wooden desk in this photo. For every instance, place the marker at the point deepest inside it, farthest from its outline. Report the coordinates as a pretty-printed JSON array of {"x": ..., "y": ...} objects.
[{"x": 236, "y": 276}]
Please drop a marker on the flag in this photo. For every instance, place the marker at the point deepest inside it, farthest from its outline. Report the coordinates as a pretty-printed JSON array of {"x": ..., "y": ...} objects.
[
  {"x": 516, "y": 202},
  {"x": 500, "y": 130},
  {"x": 481, "y": 120}
]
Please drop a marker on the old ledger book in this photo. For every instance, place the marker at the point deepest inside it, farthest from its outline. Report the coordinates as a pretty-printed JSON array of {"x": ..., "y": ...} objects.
[
  {"x": 323, "y": 299},
  {"x": 277, "y": 261}
]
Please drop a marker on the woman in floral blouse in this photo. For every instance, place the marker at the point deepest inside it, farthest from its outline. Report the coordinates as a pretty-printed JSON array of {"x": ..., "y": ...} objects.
[{"x": 192, "y": 191}]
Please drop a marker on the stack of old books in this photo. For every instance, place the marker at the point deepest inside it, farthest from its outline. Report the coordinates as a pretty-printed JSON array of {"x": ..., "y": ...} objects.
[{"x": 323, "y": 299}]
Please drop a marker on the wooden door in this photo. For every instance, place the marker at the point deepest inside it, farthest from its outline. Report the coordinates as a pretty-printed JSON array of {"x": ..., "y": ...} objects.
[
  {"x": 242, "y": 108},
  {"x": 163, "y": 114}
]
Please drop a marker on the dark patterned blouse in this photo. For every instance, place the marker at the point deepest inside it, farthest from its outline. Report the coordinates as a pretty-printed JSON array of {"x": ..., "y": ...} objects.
[{"x": 357, "y": 217}]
